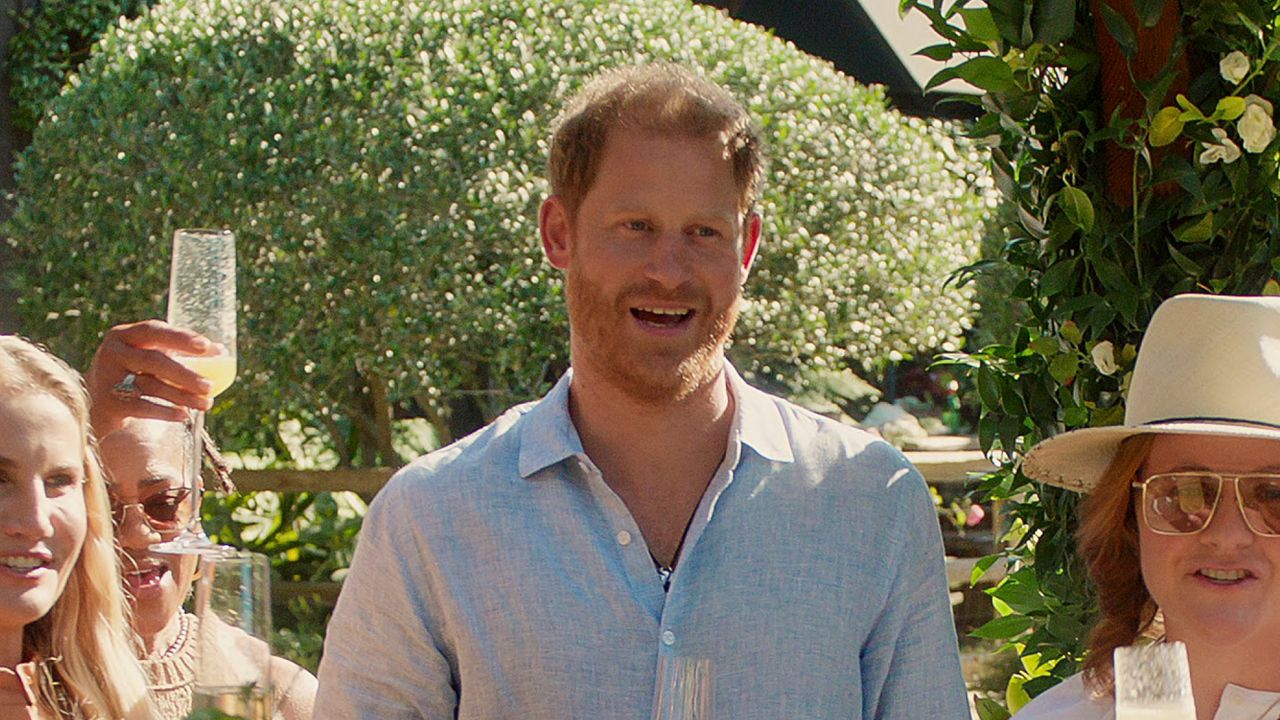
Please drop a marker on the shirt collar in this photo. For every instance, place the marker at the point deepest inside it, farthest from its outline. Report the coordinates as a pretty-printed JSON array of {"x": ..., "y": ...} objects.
[
  {"x": 759, "y": 420},
  {"x": 547, "y": 435}
]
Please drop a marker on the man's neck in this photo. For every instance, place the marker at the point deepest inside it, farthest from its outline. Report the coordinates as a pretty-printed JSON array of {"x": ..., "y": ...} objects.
[{"x": 658, "y": 458}]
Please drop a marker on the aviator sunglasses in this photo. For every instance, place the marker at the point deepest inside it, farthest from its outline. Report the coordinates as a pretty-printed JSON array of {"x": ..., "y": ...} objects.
[
  {"x": 164, "y": 511},
  {"x": 1183, "y": 503}
]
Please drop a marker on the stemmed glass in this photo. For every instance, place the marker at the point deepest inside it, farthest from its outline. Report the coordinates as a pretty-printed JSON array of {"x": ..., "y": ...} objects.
[
  {"x": 1153, "y": 682},
  {"x": 684, "y": 689},
  {"x": 202, "y": 297},
  {"x": 233, "y": 654}
]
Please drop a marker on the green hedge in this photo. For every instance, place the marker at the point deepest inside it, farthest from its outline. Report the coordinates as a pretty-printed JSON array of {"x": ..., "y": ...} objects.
[{"x": 381, "y": 163}]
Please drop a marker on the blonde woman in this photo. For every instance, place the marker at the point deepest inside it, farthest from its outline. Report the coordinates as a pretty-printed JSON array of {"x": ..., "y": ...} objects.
[{"x": 65, "y": 647}]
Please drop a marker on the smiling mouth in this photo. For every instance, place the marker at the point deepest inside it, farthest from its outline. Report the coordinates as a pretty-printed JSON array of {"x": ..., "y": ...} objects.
[
  {"x": 1224, "y": 577},
  {"x": 662, "y": 317},
  {"x": 22, "y": 563}
]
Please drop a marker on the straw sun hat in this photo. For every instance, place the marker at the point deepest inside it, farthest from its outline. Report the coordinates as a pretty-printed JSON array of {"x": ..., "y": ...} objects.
[{"x": 1208, "y": 365}]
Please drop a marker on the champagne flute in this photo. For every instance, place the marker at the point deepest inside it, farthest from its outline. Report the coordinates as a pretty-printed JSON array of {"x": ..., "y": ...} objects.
[
  {"x": 1153, "y": 682},
  {"x": 233, "y": 655},
  {"x": 684, "y": 689},
  {"x": 202, "y": 297}
]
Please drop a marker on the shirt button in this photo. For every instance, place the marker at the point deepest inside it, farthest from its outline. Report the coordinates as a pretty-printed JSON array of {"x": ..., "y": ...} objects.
[
  {"x": 624, "y": 538},
  {"x": 668, "y": 638}
]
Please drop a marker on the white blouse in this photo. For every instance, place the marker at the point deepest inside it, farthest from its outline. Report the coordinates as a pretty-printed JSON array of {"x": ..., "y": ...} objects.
[{"x": 1071, "y": 700}]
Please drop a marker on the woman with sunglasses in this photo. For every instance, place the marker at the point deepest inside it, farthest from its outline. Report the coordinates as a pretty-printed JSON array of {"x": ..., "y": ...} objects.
[
  {"x": 143, "y": 453},
  {"x": 65, "y": 646},
  {"x": 144, "y": 460},
  {"x": 1180, "y": 527}
]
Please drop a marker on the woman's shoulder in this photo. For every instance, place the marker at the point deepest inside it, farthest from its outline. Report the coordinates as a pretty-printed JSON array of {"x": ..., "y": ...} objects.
[{"x": 1069, "y": 700}]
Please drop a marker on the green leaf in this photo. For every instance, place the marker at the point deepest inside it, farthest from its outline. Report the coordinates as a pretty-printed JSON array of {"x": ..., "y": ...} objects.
[
  {"x": 1149, "y": 11},
  {"x": 1055, "y": 21},
  {"x": 1195, "y": 231},
  {"x": 1044, "y": 345},
  {"x": 1103, "y": 417},
  {"x": 1008, "y": 16},
  {"x": 1015, "y": 695},
  {"x": 1166, "y": 126},
  {"x": 940, "y": 53},
  {"x": 1188, "y": 266},
  {"x": 1074, "y": 417},
  {"x": 1070, "y": 332},
  {"x": 1190, "y": 111},
  {"x": 988, "y": 73},
  {"x": 1077, "y": 206},
  {"x": 989, "y": 709},
  {"x": 1003, "y": 628},
  {"x": 1119, "y": 30},
  {"x": 987, "y": 431},
  {"x": 1058, "y": 277},
  {"x": 1064, "y": 368},
  {"x": 1229, "y": 108},
  {"x": 988, "y": 388},
  {"x": 1011, "y": 427},
  {"x": 1272, "y": 288},
  {"x": 981, "y": 567},
  {"x": 980, "y": 25}
]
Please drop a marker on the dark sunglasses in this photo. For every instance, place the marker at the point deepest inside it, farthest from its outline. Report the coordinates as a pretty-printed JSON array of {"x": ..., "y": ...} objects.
[
  {"x": 164, "y": 511},
  {"x": 1183, "y": 503}
]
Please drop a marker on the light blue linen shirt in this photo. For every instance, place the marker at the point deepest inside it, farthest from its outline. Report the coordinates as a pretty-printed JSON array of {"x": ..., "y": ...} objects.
[{"x": 500, "y": 577}]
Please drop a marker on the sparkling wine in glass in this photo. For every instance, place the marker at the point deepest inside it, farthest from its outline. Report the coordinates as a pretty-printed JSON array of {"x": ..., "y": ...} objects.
[
  {"x": 202, "y": 297},
  {"x": 684, "y": 689},
  {"x": 1153, "y": 682},
  {"x": 233, "y": 654}
]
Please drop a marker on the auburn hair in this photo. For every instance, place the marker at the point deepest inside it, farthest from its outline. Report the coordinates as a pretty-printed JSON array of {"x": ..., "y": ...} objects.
[
  {"x": 661, "y": 98},
  {"x": 1107, "y": 542}
]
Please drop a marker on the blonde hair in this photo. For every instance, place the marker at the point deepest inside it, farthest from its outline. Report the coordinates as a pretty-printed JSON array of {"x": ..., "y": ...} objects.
[
  {"x": 662, "y": 98},
  {"x": 85, "y": 644},
  {"x": 1107, "y": 541}
]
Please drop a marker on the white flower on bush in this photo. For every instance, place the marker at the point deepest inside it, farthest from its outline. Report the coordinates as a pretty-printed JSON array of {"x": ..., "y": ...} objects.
[
  {"x": 1104, "y": 357},
  {"x": 1224, "y": 150},
  {"x": 1234, "y": 66},
  {"x": 1255, "y": 126}
]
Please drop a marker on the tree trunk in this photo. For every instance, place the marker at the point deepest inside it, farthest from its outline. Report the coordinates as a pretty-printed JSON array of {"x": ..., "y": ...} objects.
[{"x": 1156, "y": 46}]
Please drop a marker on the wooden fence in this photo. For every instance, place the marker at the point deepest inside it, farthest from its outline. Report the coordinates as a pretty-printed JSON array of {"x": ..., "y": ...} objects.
[{"x": 939, "y": 469}]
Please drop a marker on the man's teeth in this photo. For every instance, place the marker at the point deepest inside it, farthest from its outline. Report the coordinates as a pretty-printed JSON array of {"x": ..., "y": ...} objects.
[
  {"x": 663, "y": 311},
  {"x": 21, "y": 562},
  {"x": 1224, "y": 574}
]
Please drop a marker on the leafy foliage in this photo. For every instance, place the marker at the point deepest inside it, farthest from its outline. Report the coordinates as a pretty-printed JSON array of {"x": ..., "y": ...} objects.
[
  {"x": 50, "y": 39},
  {"x": 1096, "y": 259},
  {"x": 381, "y": 164}
]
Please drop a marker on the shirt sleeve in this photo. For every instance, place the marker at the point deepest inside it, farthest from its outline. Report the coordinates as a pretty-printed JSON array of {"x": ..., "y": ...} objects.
[
  {"x": 380, "y": 659},
  {"x": 911, "y": 661}
]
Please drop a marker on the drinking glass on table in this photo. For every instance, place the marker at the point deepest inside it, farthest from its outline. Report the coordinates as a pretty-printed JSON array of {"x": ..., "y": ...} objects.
[
  {"x": 233, "y": 654},
  {"x": 684, "y": 689},
  {"x": 1153, "y": 682},
  {"x": 202, "y": 297}
]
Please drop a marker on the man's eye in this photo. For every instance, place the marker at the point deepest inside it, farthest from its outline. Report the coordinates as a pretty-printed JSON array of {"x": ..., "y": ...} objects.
[
  {"x": 704, "y": 231},
  {"x": 637, "y": 225}
]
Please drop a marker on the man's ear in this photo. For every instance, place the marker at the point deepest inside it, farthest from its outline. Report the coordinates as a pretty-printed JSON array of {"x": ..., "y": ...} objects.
[
  {"x": 553, "y": 224},
  {"x": 750, "y": 243}
]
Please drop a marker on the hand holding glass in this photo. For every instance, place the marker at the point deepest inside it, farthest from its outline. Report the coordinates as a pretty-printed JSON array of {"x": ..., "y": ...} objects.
[{"x": 202, "y": 297}]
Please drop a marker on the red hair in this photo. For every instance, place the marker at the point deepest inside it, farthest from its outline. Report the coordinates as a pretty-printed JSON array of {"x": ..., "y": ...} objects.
[{"x": 1107, "y": 541}]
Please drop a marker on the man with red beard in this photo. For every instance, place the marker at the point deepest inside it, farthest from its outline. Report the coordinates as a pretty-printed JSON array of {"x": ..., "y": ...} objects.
[{"x": 654, "y": 531}]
